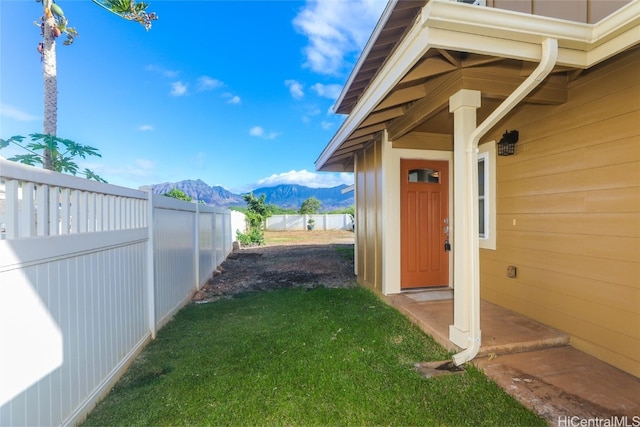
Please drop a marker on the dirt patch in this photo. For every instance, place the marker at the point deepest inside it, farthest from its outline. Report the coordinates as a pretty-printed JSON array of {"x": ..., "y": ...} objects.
[{"x": 289, "y": 259}]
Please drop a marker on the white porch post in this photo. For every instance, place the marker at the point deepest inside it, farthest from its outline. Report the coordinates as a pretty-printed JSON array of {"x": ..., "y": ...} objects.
[{"x": 463, "y": 105}]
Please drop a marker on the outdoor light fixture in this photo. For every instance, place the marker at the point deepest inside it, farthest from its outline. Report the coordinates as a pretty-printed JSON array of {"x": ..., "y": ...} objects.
[{"x": 507, "y": 145}]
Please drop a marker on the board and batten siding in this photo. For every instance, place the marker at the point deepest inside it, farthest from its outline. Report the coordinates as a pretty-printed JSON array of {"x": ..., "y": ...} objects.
[
  {"x": 368, "y": 218},
  {"x": 568, "y": 214}
]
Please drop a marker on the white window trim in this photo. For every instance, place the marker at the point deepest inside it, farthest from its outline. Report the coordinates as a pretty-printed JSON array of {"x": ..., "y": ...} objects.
[
  {"x": 487, "y": 152},
  {"x": 484, "y": 158}
]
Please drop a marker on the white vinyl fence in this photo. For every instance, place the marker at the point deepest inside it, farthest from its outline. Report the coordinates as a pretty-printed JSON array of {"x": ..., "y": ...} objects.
[
  {"x": 88, "y": 273},
  {"x": 299, "y": 222}
]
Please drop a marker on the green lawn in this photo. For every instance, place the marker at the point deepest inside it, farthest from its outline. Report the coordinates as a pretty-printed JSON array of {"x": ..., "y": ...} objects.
[{"x": 318, "y": 357}]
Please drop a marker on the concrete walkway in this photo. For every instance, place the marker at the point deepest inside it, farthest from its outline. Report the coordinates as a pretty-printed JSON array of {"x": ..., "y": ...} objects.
[{"x": 534, "y": 363}]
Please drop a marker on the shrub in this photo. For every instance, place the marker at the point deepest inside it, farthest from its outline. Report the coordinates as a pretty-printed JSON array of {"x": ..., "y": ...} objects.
[
  {"x": 256, "y": 214},
  {"x": 176, "y": 193},
  {"x": 253, "y": 236},
  {"x": 310, "y": 206}
]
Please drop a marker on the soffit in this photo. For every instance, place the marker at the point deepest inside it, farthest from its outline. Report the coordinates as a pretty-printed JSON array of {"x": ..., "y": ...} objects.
[{"x": 420, "y": 101}]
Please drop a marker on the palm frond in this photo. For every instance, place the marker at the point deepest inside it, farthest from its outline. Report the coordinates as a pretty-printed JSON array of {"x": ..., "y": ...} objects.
[{"x": 130, "y": 10}]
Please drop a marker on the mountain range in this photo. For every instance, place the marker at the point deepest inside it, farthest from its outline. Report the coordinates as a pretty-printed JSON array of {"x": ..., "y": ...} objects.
[{"x": 287, "y": 196}]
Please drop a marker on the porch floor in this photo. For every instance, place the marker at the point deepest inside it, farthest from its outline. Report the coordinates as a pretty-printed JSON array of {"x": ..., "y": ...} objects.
[{"x": 532, "y": 362}]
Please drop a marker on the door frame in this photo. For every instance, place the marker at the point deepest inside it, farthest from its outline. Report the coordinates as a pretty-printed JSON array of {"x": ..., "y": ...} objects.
[
  {"x": 428, "y": 278},
  {"x": 391, "y": 211}
]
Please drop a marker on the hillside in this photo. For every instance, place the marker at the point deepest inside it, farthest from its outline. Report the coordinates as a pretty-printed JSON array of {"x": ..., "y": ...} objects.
[
  {"x": 288, "y": 196},
  {"x": 199, "y": 190}
]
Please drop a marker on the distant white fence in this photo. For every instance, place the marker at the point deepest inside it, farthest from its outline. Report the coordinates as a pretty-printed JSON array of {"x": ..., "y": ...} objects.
[
  {"x": 299, "y": 222},
  {"x": 88, "y": 273}
]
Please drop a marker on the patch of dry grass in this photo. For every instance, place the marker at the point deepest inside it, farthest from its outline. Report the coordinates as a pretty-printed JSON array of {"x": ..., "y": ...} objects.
[{"x": 315, "y": 237}]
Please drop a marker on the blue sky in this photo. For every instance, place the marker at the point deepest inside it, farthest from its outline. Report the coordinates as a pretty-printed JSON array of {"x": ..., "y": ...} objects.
[{"x": 236, "y": 93}]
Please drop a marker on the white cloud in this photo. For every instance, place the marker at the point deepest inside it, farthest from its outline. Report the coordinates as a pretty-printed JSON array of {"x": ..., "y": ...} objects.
[
  {"x": 327, "y": 91},
  {"x": 258, "y": 131},
  {"x": 232, "y": 99},
  {"x": 326, "y": 125},
  {"x": 295, "y": 88},
  {"x": 336, "y": 29},
  {"x": 314, "y": 111},
  {"x": 131, "y": 174},
  {"x": 144, "y": 164},
  {"x": 310, "y": 111},
  {"x": 308, "y": 179},
  {"x": 179, "y": 89},
  {"x": 208, "y": 83},
  {"x": 146, "y": 128},
  {"x": 15, "y": 113},
  {"x": 163, "y": 71}
]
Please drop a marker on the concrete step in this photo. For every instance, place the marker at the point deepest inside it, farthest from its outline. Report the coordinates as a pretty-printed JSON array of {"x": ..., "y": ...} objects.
[
  {"x": 506, "y": 332},
  {"x": 503, "y": 331},
  {"x": 534, "y": 363}
]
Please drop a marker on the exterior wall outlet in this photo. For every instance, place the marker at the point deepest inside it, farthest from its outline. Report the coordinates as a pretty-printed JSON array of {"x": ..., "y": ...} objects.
[{"x": 511, "y": 271}]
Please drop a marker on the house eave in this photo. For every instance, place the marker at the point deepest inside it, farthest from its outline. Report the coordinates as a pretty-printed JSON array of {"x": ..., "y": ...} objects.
[
  {"x": 386, "y": 13},
  {"x": 489, "y": 31}
]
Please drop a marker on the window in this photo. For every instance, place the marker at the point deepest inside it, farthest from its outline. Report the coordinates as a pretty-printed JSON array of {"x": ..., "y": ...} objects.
[
  {"x": 483, "y": 188},
  {"x": 487, "y": 195},
  {"x": 424, "y": 175}
]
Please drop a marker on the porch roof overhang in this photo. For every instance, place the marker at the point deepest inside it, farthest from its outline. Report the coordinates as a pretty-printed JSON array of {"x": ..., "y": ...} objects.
[{"x": 400, "y": 92}]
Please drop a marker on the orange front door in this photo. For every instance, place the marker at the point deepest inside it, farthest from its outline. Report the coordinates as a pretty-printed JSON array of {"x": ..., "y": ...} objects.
[{"x": 424, "y": 215}]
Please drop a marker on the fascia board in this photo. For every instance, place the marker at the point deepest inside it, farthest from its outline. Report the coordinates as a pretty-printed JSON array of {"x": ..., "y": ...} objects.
[
  {"x": 485, "y": 45},
  {"x": 613, "y": 46},
  {"x": 503, "y": 24}
]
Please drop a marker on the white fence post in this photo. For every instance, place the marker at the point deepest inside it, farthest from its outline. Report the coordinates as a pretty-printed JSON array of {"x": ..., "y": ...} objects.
[
  {"x": 12, "y": 200},
  {"x": 213, "y": 238},
  {"x": 196, "y": 246},
  {"x": 225, "y": 233}
]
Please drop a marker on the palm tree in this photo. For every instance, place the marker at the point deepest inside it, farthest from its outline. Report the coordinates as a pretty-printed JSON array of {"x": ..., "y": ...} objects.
[
  {"x": 48, "y": 51},
  {"x": 53, "y": 24}
]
